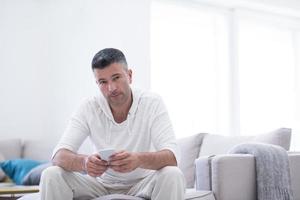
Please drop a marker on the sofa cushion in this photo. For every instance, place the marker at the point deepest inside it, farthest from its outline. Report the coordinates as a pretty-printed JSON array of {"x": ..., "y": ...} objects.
[
  {"x": 192, "y": 194},
  {"x": 11, "y": 148},
  {"x": 280, "y": 137},
  {"x": 218, "y": 144},
  {"x": 189, "y": 149},
  {"x": 118, "y": 197}
]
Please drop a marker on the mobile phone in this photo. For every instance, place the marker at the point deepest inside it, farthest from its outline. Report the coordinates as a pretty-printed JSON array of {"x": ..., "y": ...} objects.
[{"x": 106, "y": 153}]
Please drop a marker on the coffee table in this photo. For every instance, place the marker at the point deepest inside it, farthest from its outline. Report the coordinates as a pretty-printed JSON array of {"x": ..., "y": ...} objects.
[{"x": 13, "y": 190}]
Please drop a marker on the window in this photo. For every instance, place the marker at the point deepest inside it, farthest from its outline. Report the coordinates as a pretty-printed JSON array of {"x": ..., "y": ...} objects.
[
  {"x": 226, "y": 71},
  {"x": 184, "y": 68},
  {"x": 266, "y": 66},
  {"x": 267, "y": 73}
]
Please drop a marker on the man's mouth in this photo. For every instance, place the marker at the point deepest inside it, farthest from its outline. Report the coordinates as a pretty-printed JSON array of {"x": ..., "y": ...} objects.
[{"x": 114, "y": 95}]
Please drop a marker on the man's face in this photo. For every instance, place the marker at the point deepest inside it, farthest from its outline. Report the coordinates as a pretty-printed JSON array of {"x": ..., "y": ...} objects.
[{"x": 114, "y": 82}]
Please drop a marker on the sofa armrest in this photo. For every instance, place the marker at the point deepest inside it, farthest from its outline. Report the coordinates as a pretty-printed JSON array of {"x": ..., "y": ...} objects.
[
  {"x": 230, "y": 176},
  {"x": 233, "y": 177},
  {"x": 203, "y": 173},
  {"x": 294, "y": 158}
]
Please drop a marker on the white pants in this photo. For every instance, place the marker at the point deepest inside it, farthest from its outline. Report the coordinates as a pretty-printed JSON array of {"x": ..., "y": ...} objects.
[{"x": 57, "y": 184}]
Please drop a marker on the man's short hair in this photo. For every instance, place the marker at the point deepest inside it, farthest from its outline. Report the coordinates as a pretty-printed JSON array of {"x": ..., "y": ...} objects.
[{"x": 107, "y": 56}]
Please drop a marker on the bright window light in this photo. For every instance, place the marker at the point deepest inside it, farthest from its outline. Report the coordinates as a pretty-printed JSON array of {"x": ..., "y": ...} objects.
[
  {"x": 266, "y": 66},
  {"x": 184, "y": 68},
  {"x": 226, "y": 71}
]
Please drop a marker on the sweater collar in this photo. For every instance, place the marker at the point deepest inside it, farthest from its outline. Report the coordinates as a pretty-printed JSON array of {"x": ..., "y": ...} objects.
[{"x": 136, "y": 97}]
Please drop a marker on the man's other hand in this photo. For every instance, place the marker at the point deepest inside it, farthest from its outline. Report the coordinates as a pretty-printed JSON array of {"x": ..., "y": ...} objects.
[
  {"x": 94, "y": 166},
  {"x": 124, "y": 161}
]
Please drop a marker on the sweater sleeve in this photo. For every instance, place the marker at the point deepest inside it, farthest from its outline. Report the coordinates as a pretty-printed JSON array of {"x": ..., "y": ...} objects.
[
  {"x": 162, "y": 132},
  {"x": 76, "y": 132}
]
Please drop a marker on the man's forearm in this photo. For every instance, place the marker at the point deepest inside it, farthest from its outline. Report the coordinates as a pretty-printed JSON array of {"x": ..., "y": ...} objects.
[
  {"x": 157, "y": 160},
  {"x": 69, "y": 160}
]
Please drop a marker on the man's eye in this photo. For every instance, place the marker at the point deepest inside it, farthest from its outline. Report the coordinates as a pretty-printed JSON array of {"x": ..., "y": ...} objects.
[
  {"x": 102, "y": 82},
  {"x": 116, "y": 78}
]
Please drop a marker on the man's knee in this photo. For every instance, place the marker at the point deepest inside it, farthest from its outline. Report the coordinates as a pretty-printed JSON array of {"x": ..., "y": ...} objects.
[
  {"x": 52, "y": 173},
  {"x": 169, "y": 179},
  {"x": 171, "y": 173}
]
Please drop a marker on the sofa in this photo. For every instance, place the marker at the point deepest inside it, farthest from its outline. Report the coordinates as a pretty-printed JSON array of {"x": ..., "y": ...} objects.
[{"x": 217, "y": 175}]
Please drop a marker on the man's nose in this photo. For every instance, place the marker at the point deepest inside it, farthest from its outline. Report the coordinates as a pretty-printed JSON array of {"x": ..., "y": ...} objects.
[{"x": 111, "y": 87}]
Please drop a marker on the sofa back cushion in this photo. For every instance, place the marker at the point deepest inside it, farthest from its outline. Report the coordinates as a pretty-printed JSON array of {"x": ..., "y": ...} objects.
[
  {"x": 37, "y": 150},
  {"x": 218, "y": 144},
  {"x": 189, "y": 149},
  {"x": 2, "y": 174},
  {"x": 280, "y": 137},
  {"x": 11, "y": 148}
]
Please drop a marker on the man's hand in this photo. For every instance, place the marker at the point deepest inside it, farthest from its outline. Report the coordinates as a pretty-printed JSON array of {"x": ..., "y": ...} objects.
[
  {"x": 124, "y": 161},
  {"x": 94, "y": 166}
]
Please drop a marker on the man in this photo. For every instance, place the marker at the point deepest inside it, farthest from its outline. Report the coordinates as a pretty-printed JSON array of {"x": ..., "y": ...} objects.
[{"x": 134, "y": 123}]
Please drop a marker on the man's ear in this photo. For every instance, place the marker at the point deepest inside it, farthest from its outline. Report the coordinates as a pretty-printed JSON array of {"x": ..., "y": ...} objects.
[{"x": 129, "y": 73}]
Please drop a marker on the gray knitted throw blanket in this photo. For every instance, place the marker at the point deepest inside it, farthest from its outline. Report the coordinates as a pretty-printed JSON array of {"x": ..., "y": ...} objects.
[{"x": 273, "y": 179}]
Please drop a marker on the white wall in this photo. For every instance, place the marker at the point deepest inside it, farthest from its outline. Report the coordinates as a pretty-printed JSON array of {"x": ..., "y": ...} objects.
[{"x": 46, "y": 49}]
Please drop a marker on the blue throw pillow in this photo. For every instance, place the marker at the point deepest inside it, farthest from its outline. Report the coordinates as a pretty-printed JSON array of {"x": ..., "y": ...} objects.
[
  {"x": 17, "y": 169},
  {"x": 33, "y": 176}
]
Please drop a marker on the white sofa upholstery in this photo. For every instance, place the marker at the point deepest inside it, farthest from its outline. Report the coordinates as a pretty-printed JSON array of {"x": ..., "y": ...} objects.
[
  {"x": 233, "y": 176},
  {"x": 221, "y": 176}
]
